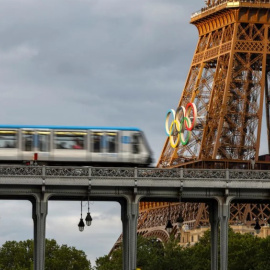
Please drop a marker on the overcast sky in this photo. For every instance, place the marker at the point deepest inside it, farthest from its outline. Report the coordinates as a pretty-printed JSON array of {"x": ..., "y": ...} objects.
[{"x": 90, "y": 62}]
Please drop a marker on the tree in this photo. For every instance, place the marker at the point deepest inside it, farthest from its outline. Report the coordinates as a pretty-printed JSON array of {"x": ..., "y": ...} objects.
[
  {"x": 19, "y": 256},
  {"x": 110, "y": 262},
  {"x": 243, "y": 251},
  {"x": 16, "y": 255},
  {"x": 151, "y": 255},
  {"x": 246, "y": 252},
  {"x": 173, "y": 255}
]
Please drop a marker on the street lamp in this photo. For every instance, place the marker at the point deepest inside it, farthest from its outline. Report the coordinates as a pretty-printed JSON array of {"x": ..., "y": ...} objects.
[
  {"x": 88, "y": 218},
  {"x": 169, "y": 226},
  {"x": 180, "y": 221},
  {"x": 257, "y": 226},
  {"x": 81, "y": 223}
]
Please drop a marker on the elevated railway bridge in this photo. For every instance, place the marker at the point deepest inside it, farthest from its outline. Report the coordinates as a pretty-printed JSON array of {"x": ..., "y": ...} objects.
[{"x": 130, "y": 186}]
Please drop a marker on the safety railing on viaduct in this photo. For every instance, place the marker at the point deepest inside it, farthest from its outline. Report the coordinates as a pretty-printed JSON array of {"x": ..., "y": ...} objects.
[{"x": 127, "y": 173}]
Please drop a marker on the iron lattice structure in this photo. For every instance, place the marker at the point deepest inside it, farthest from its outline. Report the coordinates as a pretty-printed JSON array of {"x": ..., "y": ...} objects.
[
  {"x": 154, "y": 216},
  {"x": 227, "y": 81}
]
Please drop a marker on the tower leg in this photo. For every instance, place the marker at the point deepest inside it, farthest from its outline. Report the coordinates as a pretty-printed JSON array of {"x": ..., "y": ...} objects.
[{"x": 39, "y": 213}]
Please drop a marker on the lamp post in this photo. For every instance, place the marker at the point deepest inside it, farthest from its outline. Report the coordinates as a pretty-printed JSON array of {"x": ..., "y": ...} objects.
[
  {"x": 169, "y": 226},
  {"x": 257, "y": 226},
  {"x": 81, "y": 223},
  {"x": 88, "y": 218},
  {"x": 180, "y": 219}
]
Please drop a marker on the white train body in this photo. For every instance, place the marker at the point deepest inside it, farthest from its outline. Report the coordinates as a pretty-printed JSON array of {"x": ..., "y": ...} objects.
[{"x": 68, "y": 145}]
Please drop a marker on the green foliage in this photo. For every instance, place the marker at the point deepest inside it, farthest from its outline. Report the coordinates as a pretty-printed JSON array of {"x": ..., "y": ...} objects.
[
  {"x": 197, "y": 257},
  {"x": 112, "y": 262},
  {"x": 19, "y": 256},
  {"x": 151, "y": 254},
  {"x": 246, "y": 252},
  {"x": 172, "y": 255},
  {"x": 16, "y": 255}
]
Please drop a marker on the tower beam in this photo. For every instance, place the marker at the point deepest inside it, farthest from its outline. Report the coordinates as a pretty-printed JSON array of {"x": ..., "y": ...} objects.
[{"x": 226, "y": 82}]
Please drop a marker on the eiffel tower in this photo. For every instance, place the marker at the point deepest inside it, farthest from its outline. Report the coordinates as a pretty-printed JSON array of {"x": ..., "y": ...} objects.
[{"x": 218, "y": 120}]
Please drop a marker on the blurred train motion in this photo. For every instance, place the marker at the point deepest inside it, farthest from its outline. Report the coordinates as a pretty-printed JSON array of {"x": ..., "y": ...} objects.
[{"x": 68, "y": 145}]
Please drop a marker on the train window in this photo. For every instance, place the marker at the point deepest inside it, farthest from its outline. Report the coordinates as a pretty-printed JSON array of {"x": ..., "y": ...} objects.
[
  {"x": 28, "y": 140},
  {"x": 111, "y": 139},
  {"x": 97, "y": 140},
  {"x": 44, "y": 141},
  {"x": 8, "y": 139},
  {"x": 70, "y": 140},
  {"x": 136, "y": 143}
]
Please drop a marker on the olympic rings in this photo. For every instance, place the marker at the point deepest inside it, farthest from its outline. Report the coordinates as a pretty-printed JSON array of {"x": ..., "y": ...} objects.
[{"x": 180, "y": 125}]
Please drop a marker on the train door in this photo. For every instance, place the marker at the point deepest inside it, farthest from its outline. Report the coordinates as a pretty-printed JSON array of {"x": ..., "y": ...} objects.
[
  {"x": 35, "y": 142},
  {"x": 112, "y": 142},
  {"x": 28, "y": 139},
  {"x": 104, "y": 147},
  {"x": 97, "y": 147},
  {"x": 126, "y": 155},
  {"x": 135, "y": 145},
  {"x": 42, "y": 144},
  {"x": 111, "y": 146}
]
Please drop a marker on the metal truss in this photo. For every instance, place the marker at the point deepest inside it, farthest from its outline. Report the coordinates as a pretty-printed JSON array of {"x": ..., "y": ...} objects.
[
  {"x": 226, "y": 81},
  {"x": 229, "y": 82},
  {"x": 152, "y": 220}
]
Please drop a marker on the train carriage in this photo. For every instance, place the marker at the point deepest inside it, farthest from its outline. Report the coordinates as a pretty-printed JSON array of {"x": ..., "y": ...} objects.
[{"x": 70, "y": 145}]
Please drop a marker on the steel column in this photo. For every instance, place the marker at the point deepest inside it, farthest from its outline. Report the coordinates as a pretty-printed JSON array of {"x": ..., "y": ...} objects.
[
  {"x": 125, "y": 234},
  {"x": 213, "y": 217},
  {"x": 129, "y": 216},
  {"x": 133, "y": 222},
  {"x": 224, "y": 215},
  {"x": 39, "y": 213}
]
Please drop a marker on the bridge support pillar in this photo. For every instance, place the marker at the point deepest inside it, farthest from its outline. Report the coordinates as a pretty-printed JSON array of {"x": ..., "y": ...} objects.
[
  {"x": 39, "y": 213},
  {"x": 224, "y": 215},
  {"x": 213, "y": 216},
  {"x": 129, "y": 216}
]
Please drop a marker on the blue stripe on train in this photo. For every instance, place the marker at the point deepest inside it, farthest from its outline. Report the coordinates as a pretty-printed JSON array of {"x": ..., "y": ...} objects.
[{"x": 69, "y": 127}]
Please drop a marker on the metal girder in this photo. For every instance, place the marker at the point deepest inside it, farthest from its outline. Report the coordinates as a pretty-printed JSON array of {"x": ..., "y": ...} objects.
[{"x": 226, "y": 82}]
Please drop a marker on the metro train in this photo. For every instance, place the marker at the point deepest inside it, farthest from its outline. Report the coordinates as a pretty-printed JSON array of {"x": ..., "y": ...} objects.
[{"x": 71, "y": 145}]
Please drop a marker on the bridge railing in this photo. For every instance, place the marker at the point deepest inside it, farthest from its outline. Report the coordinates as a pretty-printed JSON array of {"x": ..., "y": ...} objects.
[
  {"x": 128, "y": 173},
  {"x": 221, "y": 2}
]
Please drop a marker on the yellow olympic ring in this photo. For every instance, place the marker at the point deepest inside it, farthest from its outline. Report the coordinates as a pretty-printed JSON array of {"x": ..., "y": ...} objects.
[{"x": 174, "y": 144}]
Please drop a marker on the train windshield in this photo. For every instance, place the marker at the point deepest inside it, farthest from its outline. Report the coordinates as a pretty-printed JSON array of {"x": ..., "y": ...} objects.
[
  {"x": 70, "y": 140},
  {"x": 8, "y": 139}
]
